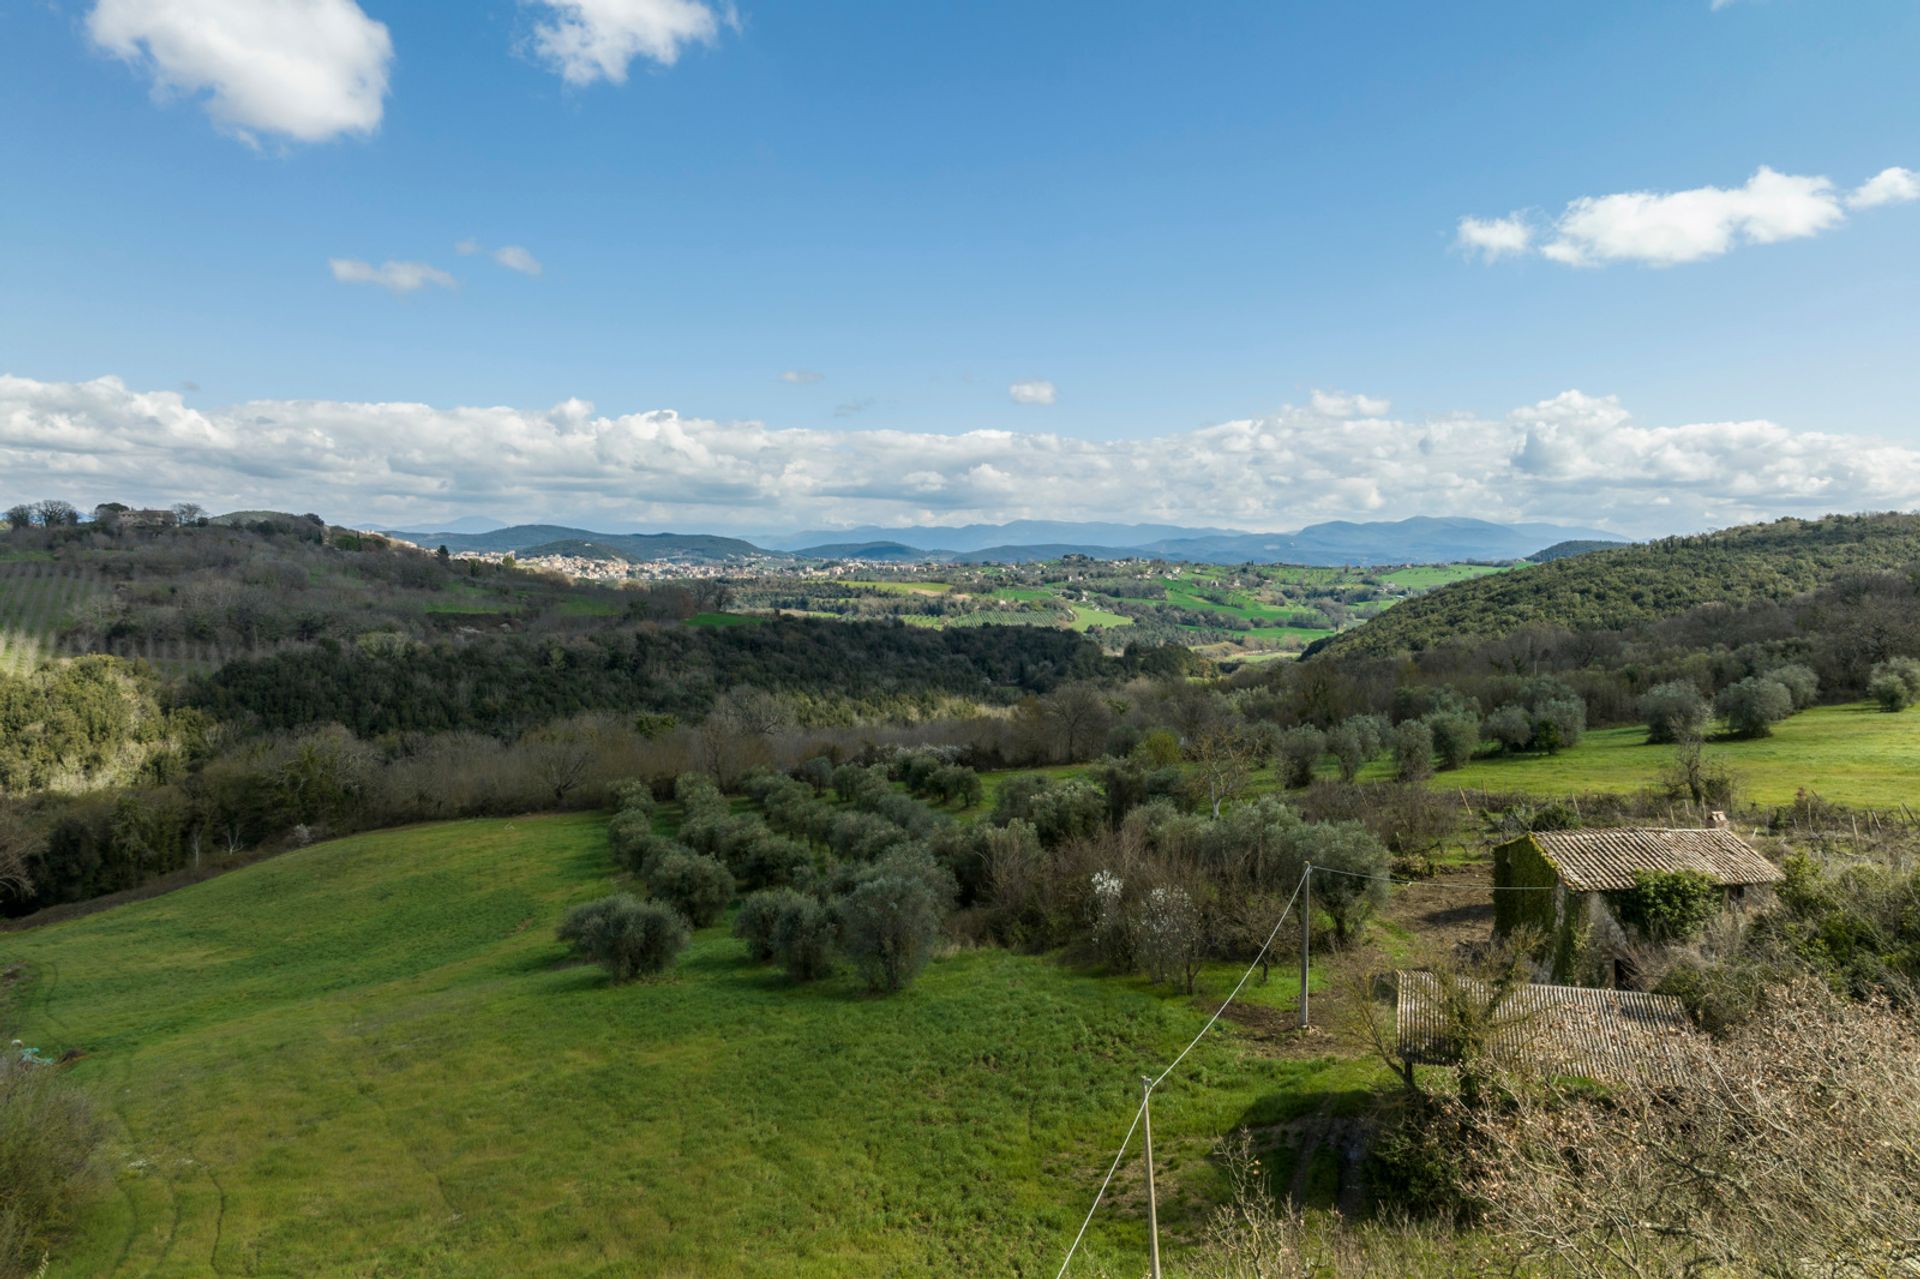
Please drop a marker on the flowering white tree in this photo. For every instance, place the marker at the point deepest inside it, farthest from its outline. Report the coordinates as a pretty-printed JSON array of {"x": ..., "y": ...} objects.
[{"x": 1167, "y": 934}]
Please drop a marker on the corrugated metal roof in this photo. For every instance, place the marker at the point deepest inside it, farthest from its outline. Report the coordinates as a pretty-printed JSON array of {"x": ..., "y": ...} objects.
[
  {"x": 1604, "y": 860},
  {"x": 1561, "y": 1030}
]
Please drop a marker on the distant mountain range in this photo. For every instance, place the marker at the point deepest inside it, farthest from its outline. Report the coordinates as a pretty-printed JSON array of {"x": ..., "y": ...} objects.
[
  {"x": 556, "y": 539},
  {"x": 981, "y": 537},
  {"x": 1418, "y": 540}
]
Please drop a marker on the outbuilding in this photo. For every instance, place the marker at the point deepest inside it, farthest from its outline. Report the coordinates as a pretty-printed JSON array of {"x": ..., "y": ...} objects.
[{"x": 1561, "y": 884}]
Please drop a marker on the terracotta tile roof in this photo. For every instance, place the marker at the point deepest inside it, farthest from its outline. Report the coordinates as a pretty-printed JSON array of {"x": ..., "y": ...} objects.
[
  {"x": 1561, "y": 1030},
  {"x": 1604, "y": 860}
]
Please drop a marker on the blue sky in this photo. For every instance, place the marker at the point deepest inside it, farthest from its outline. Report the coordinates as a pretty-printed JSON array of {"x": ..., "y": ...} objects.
[{"x": 1158, "y": 219}]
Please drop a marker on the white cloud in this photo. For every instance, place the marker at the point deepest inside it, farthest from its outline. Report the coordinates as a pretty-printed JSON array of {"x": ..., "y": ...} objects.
[
  {"x": 1341, "y": 405},
  {"x": 1669, "y": 228},
  {"x": 1494, "y": 238},
  {"x": 1034, "y": 391},
  {"x": 307, "y": 70},
  {"x": 1685, "y": 226},
  {"x": 511, "y": 256},
  {"x": 589, "y": 40},
  {"x": 398, "y": 278},
  {"x": 1889, "y": 186},
  {"x": 1571, "y": 457},
  {"x": 802, "y": 377},
  {"x": 515, "y": 258}
]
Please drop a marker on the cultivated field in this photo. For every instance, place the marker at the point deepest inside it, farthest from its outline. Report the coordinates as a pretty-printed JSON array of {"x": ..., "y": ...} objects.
[
  {"x": 367, "y": 1058},
  {"x": 37, "y": 599}
]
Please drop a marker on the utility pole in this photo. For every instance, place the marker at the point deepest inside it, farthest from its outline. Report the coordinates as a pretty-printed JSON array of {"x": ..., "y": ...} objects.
[
  {"x": 1306, "y": 936},
  {"x": 1153, "y": 1206}
]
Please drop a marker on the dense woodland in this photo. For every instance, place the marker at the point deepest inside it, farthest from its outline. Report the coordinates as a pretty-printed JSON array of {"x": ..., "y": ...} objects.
[{"x": 1609, "y": 589}]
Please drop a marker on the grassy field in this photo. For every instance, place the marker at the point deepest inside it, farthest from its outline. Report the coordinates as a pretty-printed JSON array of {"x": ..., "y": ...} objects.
[
  {"x": 367, "y": 1058},
  {"x": 37, "y": 599},
  {"x": 1427, "y": 577},
  {"x": 1085, "y": 616},
  {"x": 1848, "y": 754}
]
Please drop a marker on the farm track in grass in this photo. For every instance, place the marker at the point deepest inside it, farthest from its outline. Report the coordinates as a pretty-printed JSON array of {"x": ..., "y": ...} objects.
[{"x": 368, "y": 1058}]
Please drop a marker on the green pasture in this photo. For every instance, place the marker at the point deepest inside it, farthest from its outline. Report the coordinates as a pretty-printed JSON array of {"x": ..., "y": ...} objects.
[
  {"x": 1427, "y": 577},
  {"x": 369, "y": 1058},
  {"x": 1854, "y": 754}
]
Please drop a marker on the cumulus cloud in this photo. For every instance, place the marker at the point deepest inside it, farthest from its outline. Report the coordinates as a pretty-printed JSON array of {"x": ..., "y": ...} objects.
[
  {"x": 306, "y": 70},
  {"x": 398, "y": 278},
  {"x": 589, "y": 40},
  {"x": 1573, "y": 453},
  {"x": 1889, "y": 186},
  {"x": 1494, "y": 238},
  {"x": 801, "y": 377},
  {"x": 1034, "y": 391},
  {"x": 1341, "y": 405},
  {"x": 1669, "y": 228}
]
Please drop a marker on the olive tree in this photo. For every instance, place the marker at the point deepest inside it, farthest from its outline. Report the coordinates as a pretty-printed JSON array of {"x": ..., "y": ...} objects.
[
  {"x": 700, "y": 887},
  {"x": 1895, "y": 683},
  {"x": 624, "y": 935},
  {"x": 1753, "y": 706},
  {"x": 889, "y": 923},
  {"x": 1674, "y": 711},
  {"x": 1413, "y": 750}
]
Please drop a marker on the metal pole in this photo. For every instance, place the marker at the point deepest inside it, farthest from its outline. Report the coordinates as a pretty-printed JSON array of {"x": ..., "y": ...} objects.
[
  {"x": 1306, "y": 936},
  {"x": 1153, "y": 1206}
]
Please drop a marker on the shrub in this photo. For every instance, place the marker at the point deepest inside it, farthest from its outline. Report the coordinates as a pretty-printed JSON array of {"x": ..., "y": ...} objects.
[
  {"x": 1753, "y": 706},
  {"x": 627, "y": 937},
  {"x": 48, "y": 1136},
  {"x": 804, "y": 932},
  {"x": 1456, "y": 736},
  {"x": 1895, "y": 683},
  {"x": 756, "y": 921},
  {"x": 1413, "y": 751},
  {"x": 888, "y": 925},
  {"x": 1674, "y": 711},
  {"x": 699, "y": 887},
  {"x": 1667, "y": 905},
  {"x": 1300, "y": 750}
]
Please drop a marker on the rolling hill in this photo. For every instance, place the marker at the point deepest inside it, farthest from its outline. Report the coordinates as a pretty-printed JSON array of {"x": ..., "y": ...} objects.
[
  {"x": 1608, "y": 589},
  {"x": 369, "y": 1057}
]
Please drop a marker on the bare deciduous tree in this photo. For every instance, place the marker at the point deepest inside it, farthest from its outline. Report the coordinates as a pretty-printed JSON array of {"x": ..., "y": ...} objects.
[{"x": 1222, "y": 765}]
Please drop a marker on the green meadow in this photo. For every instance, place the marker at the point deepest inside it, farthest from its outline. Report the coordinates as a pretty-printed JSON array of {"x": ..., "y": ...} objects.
[
  {"x": 368, "y": 1058},
  {"x": 1853, "y": 754}
]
